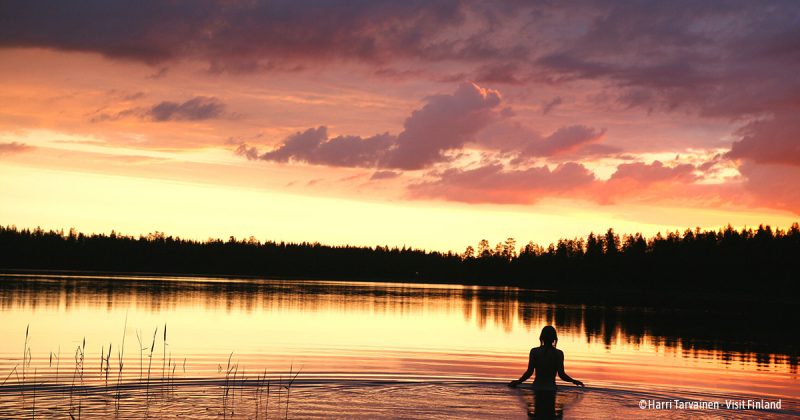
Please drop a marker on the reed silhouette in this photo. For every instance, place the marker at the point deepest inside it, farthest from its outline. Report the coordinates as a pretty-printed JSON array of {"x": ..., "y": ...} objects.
[{"x": 69, "y": 399}]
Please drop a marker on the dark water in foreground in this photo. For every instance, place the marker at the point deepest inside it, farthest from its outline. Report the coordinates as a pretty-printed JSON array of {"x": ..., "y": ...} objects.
[{"x": 364, "y": 350}]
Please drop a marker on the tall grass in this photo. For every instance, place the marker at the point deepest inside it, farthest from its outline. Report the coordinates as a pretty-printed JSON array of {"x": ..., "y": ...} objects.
[
  {"x": 149, "y": 364},
  {"x": 235, "y": 384},
  {"x": 121, "y": 362},
  {"x": 164, "y": 355},
  {"x": 80, "y": 354},
  {"x": 289, "y": 388}
]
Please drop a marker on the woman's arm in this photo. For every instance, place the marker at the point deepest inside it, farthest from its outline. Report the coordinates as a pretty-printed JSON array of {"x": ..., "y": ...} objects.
[
  {"x": 525, "y": 375},
  {"x": 563, "y": 375}
]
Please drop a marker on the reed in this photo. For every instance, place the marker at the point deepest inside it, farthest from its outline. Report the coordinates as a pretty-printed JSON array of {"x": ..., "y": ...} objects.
[
  {"x": 164, "y": 355},
  {"x": 80, "y": 353},
  {"x": 289, "y": 389},
  {"x": 262, "y": 384},
  {"x": 57, "y": 356},
  {"x": 105, "y": 363},
  {"x": 121, "y": 361},
  {"x": 280, "y": 383},
  {"x": 229, "y": 392},
  {"x": 33, "y": 406},
  {"x": 149, "y": 364},
  {"x": 266, "y": 409},
  {"x": 236, "y": 381},
  {"x": 25, "y": 352},
  {"x": 13, "y": 371},
  {"x": 141, "y": 350}
]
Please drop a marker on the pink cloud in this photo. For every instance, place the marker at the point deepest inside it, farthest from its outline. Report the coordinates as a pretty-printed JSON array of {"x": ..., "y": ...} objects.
[
  {"x": 643, "y": 173},
  {"x": 638, "y": 181},
  {"x": 444, "y": 123},
  {"x": 773, "y": 185},
  {"x": 493, "y": 184},
  {"x": 14, "y": 147}
]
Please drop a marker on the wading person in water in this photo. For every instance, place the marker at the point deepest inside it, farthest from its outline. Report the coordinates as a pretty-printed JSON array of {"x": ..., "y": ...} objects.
[{"x": 545, "y": 360}]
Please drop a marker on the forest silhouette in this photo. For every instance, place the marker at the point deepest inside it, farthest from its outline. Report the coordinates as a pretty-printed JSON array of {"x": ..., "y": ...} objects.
[{"x": 759, "y": 264}]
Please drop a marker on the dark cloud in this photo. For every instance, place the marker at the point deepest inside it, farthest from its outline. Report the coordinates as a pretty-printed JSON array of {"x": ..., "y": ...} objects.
[
  {"x": 775, "y": 140},
  {"x": 444, "y": 123},
  {"x": 378, "y": 175},
  {"x": 731, "y": 58},
  {"x": 241, "y": 34},
  {"x": 563, "y": 140},
  {"x": 14, "y": 147},
  {"x": 718, "y": 58},
  {"x": 504, "y": 73},
  {"x": 313, "y": 146},
  {"x": 196, "y": 109},
  {"x": 551, "y": 105}
]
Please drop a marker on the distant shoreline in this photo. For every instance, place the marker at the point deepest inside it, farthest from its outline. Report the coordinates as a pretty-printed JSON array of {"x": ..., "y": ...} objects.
[
  {"x": 617, "y": 297},
  {"x": 725, "y": 267}
]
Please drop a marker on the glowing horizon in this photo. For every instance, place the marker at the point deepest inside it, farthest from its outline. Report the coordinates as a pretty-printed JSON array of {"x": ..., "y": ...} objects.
[{"x": 550, "y": 125}]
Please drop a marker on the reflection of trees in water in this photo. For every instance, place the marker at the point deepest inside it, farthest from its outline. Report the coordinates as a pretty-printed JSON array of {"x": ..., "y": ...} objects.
[{"x": 727, "y": 335}]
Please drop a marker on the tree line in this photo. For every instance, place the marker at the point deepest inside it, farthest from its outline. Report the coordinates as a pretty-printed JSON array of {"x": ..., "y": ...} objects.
[{"x": 758, "y": 262}]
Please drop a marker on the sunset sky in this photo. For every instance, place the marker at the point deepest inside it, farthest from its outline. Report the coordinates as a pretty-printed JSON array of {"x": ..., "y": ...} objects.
[{"x": 428, "y": 124}]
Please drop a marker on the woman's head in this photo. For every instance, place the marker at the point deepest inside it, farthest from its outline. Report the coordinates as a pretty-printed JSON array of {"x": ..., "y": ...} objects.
[{"x": 548, "y": 337}]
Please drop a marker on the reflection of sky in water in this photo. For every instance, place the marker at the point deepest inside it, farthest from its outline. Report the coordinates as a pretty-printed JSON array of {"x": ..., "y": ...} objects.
[{"x": 365, "y": 330}]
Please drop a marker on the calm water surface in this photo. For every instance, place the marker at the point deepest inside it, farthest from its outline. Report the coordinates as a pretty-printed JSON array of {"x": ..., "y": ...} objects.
[{"x": 362, "y": 350}]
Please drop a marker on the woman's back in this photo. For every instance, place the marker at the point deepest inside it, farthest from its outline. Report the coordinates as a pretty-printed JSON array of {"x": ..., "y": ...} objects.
[{"x": 547, "y": 361}]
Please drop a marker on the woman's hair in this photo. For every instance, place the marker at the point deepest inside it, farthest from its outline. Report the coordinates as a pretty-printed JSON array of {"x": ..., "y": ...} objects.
[{"x": 548, "y": 337}]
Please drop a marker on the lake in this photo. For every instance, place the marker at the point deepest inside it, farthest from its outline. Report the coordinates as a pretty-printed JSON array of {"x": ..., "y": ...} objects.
[{"x": 245, "y": 348}]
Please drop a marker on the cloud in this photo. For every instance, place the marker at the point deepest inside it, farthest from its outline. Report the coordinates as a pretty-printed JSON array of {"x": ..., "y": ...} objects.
[
  {"x": 729, "y": 59},
  {"x": 644, "y": 173},
  {"x": 500, "y": 73},
  {"x": 775, "y": 140},
  {"x": 494, "y": 184},
  {"x": 13, "y": 148},
  {"x": 651, "y": 182},
  {"x": 767, "y": 155},
  {"x": 551, "y": 105},
  {"x": 444, "y": 123},
  {"x": 315, "y": 147},
  {"x": 562, "y": 141},
  {"x": 243, "y": 34},
  {"x": 195, "y": 109},
  {"x": 198, "y": 108},
  {"x": 772, "y": 185},
  {"x": 378, "y": 175}
]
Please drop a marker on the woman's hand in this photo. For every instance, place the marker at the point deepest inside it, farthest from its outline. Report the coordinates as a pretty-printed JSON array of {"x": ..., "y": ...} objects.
[
  {"x": 514, "y": 384},
  {"x": 578, "y": 383}
]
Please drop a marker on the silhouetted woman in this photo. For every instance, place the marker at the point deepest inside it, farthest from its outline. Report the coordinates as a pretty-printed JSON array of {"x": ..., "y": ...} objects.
[{"x": 545, "y": 360}]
